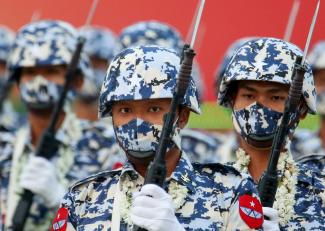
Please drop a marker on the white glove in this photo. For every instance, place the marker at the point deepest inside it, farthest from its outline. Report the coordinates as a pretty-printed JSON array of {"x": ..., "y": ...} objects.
[
  {"x": 39, "y": 176},
  {"x": 273, "y": 223},
  {"x": 153, "y": 209}
]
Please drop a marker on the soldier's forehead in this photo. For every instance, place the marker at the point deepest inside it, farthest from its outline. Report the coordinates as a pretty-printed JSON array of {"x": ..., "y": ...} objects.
[
  {"x": 142, "y": 101},
  {"x": 262, "y": 84}
]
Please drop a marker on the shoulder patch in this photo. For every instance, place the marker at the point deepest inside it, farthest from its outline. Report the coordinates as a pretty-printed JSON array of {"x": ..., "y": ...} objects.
[
  {"x": 250, "y": 211},
  {"x": 212, "y": 168},
  {"x": 98, "y": 177}
]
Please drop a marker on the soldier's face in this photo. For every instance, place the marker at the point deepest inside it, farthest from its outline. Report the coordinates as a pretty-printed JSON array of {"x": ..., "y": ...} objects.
[
  {"x": 319, "y": 77},
  {"x": 151, "y": 110},
  {"x": 54, "y": 74},
  {"x": 271, "y": 95}
]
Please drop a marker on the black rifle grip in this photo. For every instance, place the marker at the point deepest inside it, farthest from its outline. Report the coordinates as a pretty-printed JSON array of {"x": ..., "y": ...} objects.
[{"x": 183, "y": 79}]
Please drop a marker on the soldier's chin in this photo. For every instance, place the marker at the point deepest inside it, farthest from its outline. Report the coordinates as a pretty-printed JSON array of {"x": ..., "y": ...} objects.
[
  {"x": 140, "y": 157},
  {"x": 260, "y": 143}
]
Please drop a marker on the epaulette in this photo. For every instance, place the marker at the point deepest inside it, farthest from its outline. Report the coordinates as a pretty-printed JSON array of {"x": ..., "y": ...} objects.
[
  {"x": 98, "y": 177},
  {"x": 211, "y": 168}
]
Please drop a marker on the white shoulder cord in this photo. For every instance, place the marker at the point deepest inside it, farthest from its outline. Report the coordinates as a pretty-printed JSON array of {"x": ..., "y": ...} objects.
[
  {"x": 116, "y": 215},
  {"x": 12, "y": 199}
]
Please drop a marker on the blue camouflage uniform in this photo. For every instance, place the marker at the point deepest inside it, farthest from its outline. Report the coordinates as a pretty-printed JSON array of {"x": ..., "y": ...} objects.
[
  {"x": 270, "y": 59},
  {"x": 210, "y": 204},
  {"x": 205, "y": 196},
  {"x": 96, "y": 150},
  {"x": 201, "y": 147},
  {"x": 309, "y": 206},
  {"x": 307, "y": 148}
]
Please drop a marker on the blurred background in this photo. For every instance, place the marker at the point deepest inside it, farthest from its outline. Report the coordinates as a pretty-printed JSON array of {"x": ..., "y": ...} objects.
[{"x": 222, "y": 23}]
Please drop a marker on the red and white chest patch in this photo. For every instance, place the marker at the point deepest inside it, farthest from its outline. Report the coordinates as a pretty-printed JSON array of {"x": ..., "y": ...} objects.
[
  {"x": 60, "y": 221},
  {"x": 251, "y": 211}
]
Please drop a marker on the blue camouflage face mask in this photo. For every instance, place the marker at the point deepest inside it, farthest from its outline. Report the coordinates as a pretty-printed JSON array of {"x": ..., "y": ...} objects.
[
  {"x": 257, "y": 124},
  {"x": 140, "y": 138},
  {"x": 40, "y": 93}
]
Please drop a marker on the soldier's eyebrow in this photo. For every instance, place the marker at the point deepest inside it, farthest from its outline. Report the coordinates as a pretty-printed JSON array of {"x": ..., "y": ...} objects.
[
  {"x": 277, "y": 90},
  {"x": 248, "y": 88}
]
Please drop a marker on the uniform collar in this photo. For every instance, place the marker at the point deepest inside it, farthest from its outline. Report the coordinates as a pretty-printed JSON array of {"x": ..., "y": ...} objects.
[{"x": 183, "y": 173}]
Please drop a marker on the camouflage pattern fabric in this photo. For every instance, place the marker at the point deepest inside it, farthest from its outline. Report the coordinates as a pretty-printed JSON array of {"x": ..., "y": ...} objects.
[{"x": 211, "y": 200}]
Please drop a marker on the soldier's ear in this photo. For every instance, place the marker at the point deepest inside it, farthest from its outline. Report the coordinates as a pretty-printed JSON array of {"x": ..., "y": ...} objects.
[{"x": 184, "y": 115}]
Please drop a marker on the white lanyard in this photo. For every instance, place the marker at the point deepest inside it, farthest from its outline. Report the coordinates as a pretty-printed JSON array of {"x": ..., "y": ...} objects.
[
  {"x": 22, "y": 136},
  {"x": 116, "y": 215}
]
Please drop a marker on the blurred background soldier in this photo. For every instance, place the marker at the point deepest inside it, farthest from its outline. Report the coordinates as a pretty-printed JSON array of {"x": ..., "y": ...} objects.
[
  {"x": 9, "y": 118},
  {"x": 255, "y": 86},
  {"x": 101, "y": 46},
  {"x": 38, "y": 64},
  {"x": 307, "y": 146}
]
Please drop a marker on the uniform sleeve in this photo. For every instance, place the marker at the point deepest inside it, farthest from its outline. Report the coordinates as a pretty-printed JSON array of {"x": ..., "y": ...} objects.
[
  {"x": 65, "y": 219},
  {"x": 245, "y": 212}
]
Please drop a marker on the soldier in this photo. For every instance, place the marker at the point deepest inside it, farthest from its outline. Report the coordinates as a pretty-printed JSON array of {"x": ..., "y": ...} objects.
[
  {"x": 227, "y": 142},
  {"x": 9, "y": 118},
  {"x": 38, "y": 63},
  {"x": 101, "y": 46},
  {"x": 307, "y": 146},
  {"x": 199, "y": 146},
  {"x": 137, "y": 92},
  {"x": 255, "y": 86}
]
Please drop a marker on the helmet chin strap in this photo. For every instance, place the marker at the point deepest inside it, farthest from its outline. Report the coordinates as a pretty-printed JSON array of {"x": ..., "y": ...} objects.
[{"x": 260, "y": 144}]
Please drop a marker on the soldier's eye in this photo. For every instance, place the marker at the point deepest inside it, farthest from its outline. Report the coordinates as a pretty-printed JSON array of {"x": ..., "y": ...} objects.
[
  {"x": 125, "y": 110},
  {"x": 277, "y": 98},
  {"x": 248, "y": 96},
  {"x": 154, "y": 109}
]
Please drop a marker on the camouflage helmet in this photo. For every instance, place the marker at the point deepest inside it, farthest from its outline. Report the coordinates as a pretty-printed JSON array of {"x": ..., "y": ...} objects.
[
  {"x": 151, "y": 33},
  {"x": 7, "y": 37},
  {"x": 100, "y": 42},
  {"x": 42, "y": 43},
  {"x": 317, "y": 56},
  {"x": 266, "y": 59},
  {"x": 145, "y": 72},
  {"x": 227, "y": 57}
]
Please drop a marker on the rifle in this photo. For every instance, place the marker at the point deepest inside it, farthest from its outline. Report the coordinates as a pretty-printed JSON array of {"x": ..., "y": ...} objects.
[
  {"x": 268, "y": 184},
  {"x": 291, "y": 20},
  {"x": 156, "y": 172},
  {"x": 48, "y": 145}
]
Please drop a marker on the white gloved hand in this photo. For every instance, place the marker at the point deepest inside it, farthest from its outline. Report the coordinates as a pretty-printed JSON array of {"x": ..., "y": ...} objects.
[
  {"x": 153, "y": 209},
  {"x": 39, "y": 176},
  {"x": 273, "y": 223}
]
